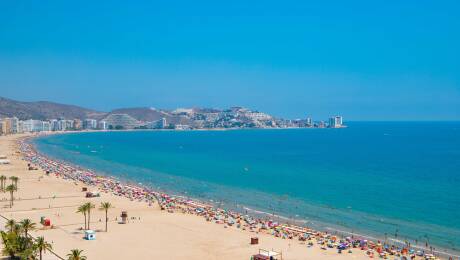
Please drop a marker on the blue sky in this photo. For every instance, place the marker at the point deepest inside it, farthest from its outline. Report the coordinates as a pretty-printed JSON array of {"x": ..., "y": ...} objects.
[{"x": 366, "y": 60}]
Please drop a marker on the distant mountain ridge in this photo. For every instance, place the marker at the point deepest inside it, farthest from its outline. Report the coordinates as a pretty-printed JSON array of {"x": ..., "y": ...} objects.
[
  {"x": 148, "y": 117},
  {"x": 43, "y": 110}
]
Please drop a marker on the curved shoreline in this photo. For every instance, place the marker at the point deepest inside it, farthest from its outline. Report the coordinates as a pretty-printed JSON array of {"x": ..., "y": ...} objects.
[{"x": 181, "y": 200}]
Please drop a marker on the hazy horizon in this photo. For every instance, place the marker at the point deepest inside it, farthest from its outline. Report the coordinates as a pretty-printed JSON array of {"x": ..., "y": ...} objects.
[{"x": 378, "y": 61}]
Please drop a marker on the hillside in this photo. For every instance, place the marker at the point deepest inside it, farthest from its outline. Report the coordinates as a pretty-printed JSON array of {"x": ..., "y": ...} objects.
[
  {"x": 145, "y": 114},
  {"x": 43, "y": 110},
  {"x": 195, "y": 117}
]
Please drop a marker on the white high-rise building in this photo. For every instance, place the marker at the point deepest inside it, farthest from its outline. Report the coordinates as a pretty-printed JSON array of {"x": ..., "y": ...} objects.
[
  {"x": 62, "y": 126},
  {"x": 338, "y": 120},
  {"x": 14, "y": 125},
  {"x": 90, "y": 124},
  {"x": 32, "y": 125},
  {"x": 69, "y": 124},
  {"x": 163, "y": 123},
  {"x": 20, "y": 127},
  {"x": 335, "y": 122},
  {"x": 102, "y": 125},
  {"x": 54, "y": 125},
  {"x": 46, "y": 126}
]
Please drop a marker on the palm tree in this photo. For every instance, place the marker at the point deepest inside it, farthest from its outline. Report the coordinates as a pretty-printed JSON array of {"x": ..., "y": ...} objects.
[
  {"x": 17, "y": 228},
  {"x": 27, "y": 225},
  {"x": 16, "y": 243},
  {"x": 10, "y": 223},
  {"x": 2, "y": 182},
  {"x": 75, "y": 254},
  {"x": 83, "y": 209},
  {"x": 28, "y": 253},
  {"x": 11, "y": 189},
  {"x": 105, "y": 206},
  {"x": 14, "y": 181},
  {"x": 89, "y": 206},
  {"x": 42, "y": 245},
  {"x": 10, "y": 244}
]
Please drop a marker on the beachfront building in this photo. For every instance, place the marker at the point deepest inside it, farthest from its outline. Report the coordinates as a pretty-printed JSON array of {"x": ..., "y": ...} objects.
[
  {"x": 90, "y": 124},
  {"x": 121, "y": 121},
  {"x": 46, "y": 126},
  {"x": 158, "y": 124},
  {"x": 162, "y": 123},
  {"x": 27, "y": 126},
  {"x": 14, "y": 125},
  {"x": 54, "y": 125},
  {"x": 339, "y": 120},
  {"x": 335, "y": 122},
  {"x": 61, "y": 125},
  {"x": 332, "y": 122},
  {"x": 31, "y": 125},
  {"x": 64, "y": 125},
  {"x": 20, "y": 128},
  {"x": 77, "y": 124},
  {"x": 69, "y": 124},
  {"x": 6, "y": 126},
  {"x": 102, "y": 125}
]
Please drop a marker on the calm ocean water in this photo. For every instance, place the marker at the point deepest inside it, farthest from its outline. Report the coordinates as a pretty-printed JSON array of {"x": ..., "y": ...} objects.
[{"x": 398, "y": 178}]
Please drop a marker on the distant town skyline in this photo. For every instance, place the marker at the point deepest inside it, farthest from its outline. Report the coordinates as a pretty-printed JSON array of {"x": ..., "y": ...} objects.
[
  {"x": 364, "y": 60},
  {"x": 57, "y": 119}
]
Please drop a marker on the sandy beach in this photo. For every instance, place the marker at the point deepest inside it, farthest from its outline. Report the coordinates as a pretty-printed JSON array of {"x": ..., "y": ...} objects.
[{"x": 151, "y": 233}]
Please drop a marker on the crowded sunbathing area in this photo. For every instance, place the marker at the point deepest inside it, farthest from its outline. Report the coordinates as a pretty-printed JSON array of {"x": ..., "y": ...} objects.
[{"x": 148, "y": 224}]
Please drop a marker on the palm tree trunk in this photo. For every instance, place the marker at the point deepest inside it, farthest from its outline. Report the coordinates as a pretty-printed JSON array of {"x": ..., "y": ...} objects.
[
  {"x": 89, "y": 218},
  {"x": 40, "y": 254},
  {"x": 105, "y": 220},
  {"x": 11, "y": 201},
  {"x": 85, "y": 220}
]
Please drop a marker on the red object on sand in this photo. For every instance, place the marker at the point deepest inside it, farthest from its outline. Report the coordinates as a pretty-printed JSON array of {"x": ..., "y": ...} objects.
[{"x": 260, "y": 257}]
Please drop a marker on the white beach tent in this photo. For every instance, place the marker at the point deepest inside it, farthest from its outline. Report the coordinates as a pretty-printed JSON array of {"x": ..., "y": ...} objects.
[
  {"x": 271, "y": 254},
  {"x": 4, "y": 161}
]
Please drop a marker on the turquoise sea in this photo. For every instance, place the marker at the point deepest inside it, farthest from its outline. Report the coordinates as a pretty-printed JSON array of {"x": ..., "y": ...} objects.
[{"x": 399, "y": 180}]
